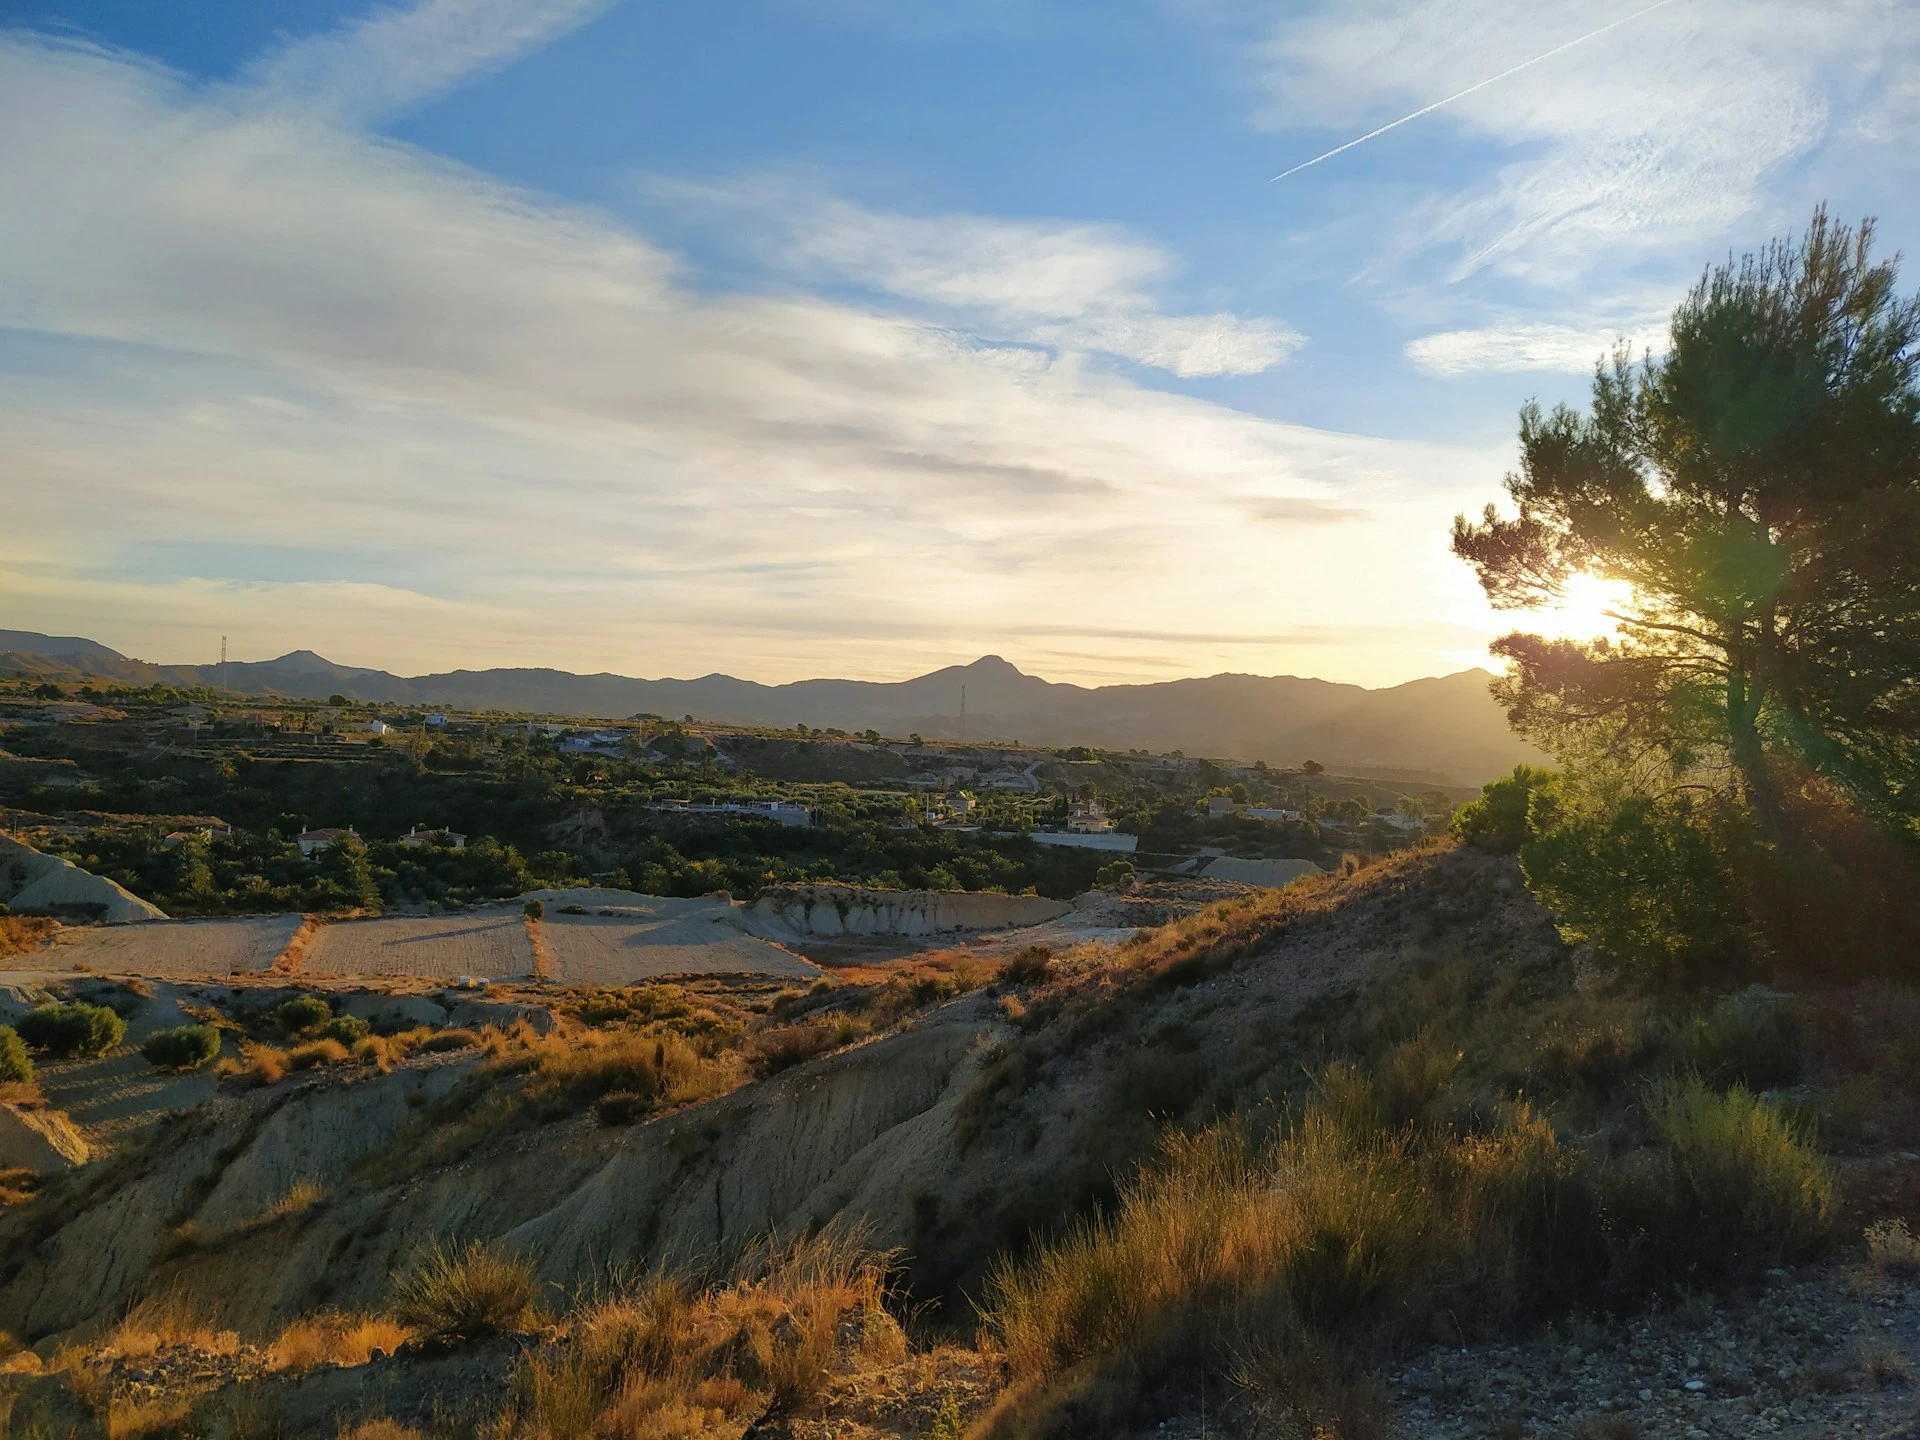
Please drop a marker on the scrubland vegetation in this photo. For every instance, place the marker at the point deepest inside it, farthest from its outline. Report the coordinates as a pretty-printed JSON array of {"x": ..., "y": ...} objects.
[{"x": 1642, "y": 1036}]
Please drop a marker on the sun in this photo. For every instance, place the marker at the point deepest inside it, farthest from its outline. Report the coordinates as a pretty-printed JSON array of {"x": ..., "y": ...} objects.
[{"x": 1582, "y": 611}]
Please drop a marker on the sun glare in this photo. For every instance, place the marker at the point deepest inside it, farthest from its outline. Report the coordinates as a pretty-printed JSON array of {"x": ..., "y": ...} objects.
[{"x": 1582, "y": 611}]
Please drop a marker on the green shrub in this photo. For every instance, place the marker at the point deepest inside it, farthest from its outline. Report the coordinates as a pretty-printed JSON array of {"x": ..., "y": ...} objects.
[
  {"x": 1751, "y": 1037},
  {"x": 1645, "y": 882},
  {"x": 1594, "y": 1052},
  {"x": 301, "y": 1015},
  {"x": 185, "y": 1047},
  {"x": 15, "y": 1063},
  {"x": 466, "y": 1294},
  {"x": 1029, "y": 965},
  {"x": 534, "y": 909},
  {"x": 77, "y": 1028},
  {"x": 1743, "y": 1178},
  {"x": 349, "y": 1030},
  {"x": 1499, "y": 819}
]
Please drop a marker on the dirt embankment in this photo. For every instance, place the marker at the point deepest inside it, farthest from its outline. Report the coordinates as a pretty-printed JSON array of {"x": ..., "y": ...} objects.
[
  {"x": 950, "y": 1138},
  {"x": 37, "y": 883}
]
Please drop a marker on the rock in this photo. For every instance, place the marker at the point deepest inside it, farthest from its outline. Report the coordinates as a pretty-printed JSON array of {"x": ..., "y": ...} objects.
[
  {"x": 43, "y": 1141},
  {"x": 394, "y": 1012}
]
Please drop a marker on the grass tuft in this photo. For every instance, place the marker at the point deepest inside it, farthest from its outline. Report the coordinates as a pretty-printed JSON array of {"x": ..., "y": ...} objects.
[{"x": 466, "y": 1293}]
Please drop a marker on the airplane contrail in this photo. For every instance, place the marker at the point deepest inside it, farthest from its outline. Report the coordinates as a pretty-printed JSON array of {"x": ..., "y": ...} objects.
[{"x": 1479, "y": 85}]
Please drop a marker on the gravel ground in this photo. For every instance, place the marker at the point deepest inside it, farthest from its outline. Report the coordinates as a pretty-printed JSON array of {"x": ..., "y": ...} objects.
[
  {"x": 622, "y": 950},
  {"x": 1829, "y": 1353},
  {"x": 490, "y": 946},
  {"x": 174, "y": 947}
]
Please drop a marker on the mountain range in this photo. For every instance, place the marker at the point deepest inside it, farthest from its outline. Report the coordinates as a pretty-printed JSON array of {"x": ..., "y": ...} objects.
[{"x": 1447, "y": 728}]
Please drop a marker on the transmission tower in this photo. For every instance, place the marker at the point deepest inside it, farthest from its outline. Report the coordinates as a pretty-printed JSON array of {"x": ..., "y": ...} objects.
[{"x": 223, "y": 663}]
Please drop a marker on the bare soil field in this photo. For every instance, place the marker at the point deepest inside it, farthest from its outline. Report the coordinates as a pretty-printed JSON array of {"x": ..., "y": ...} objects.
[
  {"x": 492, "y": 946},
  {"x": 173, "y": 947},
  {"x": 622, "y": 950}
]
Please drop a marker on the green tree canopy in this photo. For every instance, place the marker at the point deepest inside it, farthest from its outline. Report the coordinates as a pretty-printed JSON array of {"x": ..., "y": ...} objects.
[{"x": 1756, "y": 490}]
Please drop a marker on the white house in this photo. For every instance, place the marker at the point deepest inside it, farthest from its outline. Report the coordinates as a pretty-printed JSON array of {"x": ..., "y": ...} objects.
[
  {"x": 312, "y": 842},
  {"x": 1088, "y": 817},
  {"x": 417, "y": 837}
]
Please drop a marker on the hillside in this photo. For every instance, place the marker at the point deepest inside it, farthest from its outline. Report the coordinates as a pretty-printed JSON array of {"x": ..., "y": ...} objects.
[
  {"x": 1379, "y": 1125},
  {"x": 1446, "y": 727}
]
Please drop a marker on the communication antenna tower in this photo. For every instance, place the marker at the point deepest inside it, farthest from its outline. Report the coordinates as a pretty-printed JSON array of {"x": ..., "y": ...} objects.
[{"x": 223, "y": 662}]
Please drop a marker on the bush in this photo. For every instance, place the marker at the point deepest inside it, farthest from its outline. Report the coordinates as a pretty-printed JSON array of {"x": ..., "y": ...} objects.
[
  {"x": 58, "y": 1031},
  {"x": 466, "y": 1294},
  {"x": 534, "y": 909},
  {"x": 1751, "y": 1037},
  {"x": 15, "y": 1063},
  {"x": 1029, "y": 965},
  {"x": 302, "y": 1015},
  {"x": 1499, "y": 820},
  {"x": 1741, "y": 1175},
  {"x": 349, "y": 1030},
  {"x": 316, "y": 1053},
  {"x": 185, "y": 1047},
  {"x": 1646, "y": 883},
  {"x": 442, "y": 1040}
]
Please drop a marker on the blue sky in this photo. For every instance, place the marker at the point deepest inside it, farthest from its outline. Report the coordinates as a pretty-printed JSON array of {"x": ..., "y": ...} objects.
[{"x": 834, "y": 336}]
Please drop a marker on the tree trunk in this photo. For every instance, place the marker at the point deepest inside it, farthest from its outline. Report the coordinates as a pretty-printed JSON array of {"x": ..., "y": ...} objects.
[{"x": 1757, "y": 780}]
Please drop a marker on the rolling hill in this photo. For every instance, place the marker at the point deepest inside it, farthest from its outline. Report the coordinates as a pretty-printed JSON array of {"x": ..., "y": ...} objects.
[{"x": 1447, "y": 727}]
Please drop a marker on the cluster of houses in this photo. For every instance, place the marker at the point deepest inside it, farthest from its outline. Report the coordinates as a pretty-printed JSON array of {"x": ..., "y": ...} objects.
[{"x": 312, "y": 842}]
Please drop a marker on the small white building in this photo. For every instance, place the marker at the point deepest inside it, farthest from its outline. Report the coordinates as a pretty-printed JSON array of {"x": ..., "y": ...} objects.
[
  {"x": 312, "y": 842},
  {"x": 1218, "y": 805},
  {"x": 1088, "y": 817},
  {"x": 1269, "y": 812},
  {"x": 417, "y": 837}
]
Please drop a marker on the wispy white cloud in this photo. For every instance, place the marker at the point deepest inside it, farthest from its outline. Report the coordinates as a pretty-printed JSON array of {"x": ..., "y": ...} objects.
[
  {"x": 1655, "y": 135},
  {"x": 402, "y": 55},
  {"x": 252, "y": 323},
  {"x": 1072, "y": 286},
  {"x": 1528, "y": 346}
]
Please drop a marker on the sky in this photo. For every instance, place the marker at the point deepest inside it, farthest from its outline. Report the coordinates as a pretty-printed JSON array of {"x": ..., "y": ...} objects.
[{"x": 842, "y": 337}]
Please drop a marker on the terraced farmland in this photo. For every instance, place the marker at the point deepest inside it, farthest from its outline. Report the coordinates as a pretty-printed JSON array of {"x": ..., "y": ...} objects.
[
  {"x": 492, "y": 946},
  {"x": 175, "y": 947},
  {"x": 623, "y": 949}
]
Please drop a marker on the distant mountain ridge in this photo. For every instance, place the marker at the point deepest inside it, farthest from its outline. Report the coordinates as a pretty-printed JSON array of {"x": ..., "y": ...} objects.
[{"x": 1444, "y": 727}]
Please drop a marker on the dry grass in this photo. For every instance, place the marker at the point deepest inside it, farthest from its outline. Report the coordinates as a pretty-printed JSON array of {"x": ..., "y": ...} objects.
[
  {"x": 664, "y": 1361},
  {"x": 159, "y": 1417},
  {"x": 258, "y": 1065},
  {"x": 23, "y": 934},
  {"x": 17, "y": 1186},
  {"x": 1893, "y": 1249},
  {"x": 317, "y": 1053},
  {"x": 465, "y": 1293},
  {"x": 571, "y": 1069},
  {"x": 380, "y": 1430},
  {"x": 333, "y": 1338},
  {"x": 1265, "y": 1259}
]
